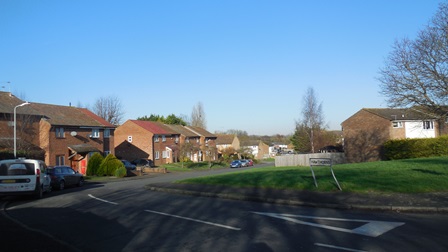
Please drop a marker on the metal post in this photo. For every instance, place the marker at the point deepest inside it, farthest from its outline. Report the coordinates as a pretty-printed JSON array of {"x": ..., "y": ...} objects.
[{"x": 15, "y": 127}]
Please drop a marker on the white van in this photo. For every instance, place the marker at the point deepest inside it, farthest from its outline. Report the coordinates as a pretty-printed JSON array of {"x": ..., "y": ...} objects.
[{"x": 24, "y": 177}]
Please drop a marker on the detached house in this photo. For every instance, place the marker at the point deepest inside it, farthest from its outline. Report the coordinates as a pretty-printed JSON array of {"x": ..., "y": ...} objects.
[
  {"x": 66, "y": 135},
  {"x": 367, "y": 130},
  {"x": 257, "y": 148},
  {"x": 226, "y": 141}
]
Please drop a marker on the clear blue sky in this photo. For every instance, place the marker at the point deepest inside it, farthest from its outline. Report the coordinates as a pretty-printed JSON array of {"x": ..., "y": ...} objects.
[{"x": 249, "y": 62}]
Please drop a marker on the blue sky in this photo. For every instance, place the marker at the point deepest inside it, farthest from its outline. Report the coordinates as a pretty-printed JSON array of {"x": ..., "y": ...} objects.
[{"x": 249, "y": 62}]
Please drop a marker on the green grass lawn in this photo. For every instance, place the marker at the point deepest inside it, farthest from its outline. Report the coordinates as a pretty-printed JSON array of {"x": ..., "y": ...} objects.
[
  {"x": 191, "y": 166},
  {"x": 403, "y": 176}
]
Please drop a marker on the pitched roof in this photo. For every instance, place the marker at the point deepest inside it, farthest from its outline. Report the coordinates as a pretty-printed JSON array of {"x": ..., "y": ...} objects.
[
  {"x": 224, "y": 139},
  {"x": 8, "y": 101},
  {"x": 399, "y": 113},
  {"x": 182, "y": 130},
  {"x": 96, "y": 117},
  {"x": 69, "y": 116},
  {"x": 201, "y": 131},
  {"x": 155, "y": 127}
]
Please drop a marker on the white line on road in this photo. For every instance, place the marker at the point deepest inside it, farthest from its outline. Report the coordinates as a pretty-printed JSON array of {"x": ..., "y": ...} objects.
[
  {"x": 371, "y": 228},
  {"x": 337, "y": 247},
  {"x": 190, "y": 219},
  {"x": 110, "y": 202}
]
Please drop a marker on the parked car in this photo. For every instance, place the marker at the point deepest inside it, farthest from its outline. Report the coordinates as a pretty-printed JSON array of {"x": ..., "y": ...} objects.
[
  {"x": 24, "y": 177},
  {"x": 143, "y": 162},
  {"x": 251, "y": 162},
  {"x": 244, "y": 162},
  {"x": 235, "y": 164},
  {"x": 63, "y": 176},
  {"x": 128, "y": 165}
]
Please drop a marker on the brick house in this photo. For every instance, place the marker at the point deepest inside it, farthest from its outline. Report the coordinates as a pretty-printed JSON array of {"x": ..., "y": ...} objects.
[
  {"x": 67, "y": 135},
  {"x": 226, "y": 141},
  {"x": 160, "y": 142},
  {"x": 366, "y": 131},
  {"x": 145, "y": 139},
  {"x": 259, "y": 149},
  {"x": 207, "y": 144}
]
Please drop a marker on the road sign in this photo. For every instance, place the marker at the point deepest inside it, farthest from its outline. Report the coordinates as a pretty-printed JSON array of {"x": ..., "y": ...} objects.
[{"x": 323, "y": 162}]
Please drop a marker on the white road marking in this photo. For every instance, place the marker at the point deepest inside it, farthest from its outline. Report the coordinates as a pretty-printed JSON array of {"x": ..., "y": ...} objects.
[
  {"x": 190, "y": 219},
  {"x": 337, "y": 247},
  {"x": 106, "y": 201},
  {"x": 371, "y": 228}
]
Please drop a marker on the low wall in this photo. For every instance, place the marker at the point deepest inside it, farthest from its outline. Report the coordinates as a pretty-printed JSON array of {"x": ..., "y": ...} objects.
[{"x": 304, "y": 159}]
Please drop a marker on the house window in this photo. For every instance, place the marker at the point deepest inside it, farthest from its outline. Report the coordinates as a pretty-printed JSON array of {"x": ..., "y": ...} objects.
[
  {"x": 130, "y": 139},
  {"x": 164, "y": 154},
  {"x": 157, "y": 156},
  {"x": 163, "y": 138},
  {"x": 106, "y": 133},
  {"x": 106, "y": 153},
  {"x": 60, "y": 133},
  {"x": 187, "y": 140},
  {"x": 156, "y": 138},
  {"x": 60, "y": 160},
  {"x": 197, "y": 140},
  {"x": 428, "y": 125},
  {"x": 95, "y": 133},
  {"x": 177, "y": 139},
  {"x": 397, "y": 124}
]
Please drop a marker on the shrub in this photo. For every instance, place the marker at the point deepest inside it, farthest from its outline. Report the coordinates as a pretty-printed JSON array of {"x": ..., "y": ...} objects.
[
  {"x": 94, "y": 164},
  {"x": 109, "y": 165},
  {"x": 120, "y": 172},
  {"x": 416, "y": 148}
]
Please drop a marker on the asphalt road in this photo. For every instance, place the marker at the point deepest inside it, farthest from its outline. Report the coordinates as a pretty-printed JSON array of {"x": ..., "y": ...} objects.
[{"x": 123, "y": 216}]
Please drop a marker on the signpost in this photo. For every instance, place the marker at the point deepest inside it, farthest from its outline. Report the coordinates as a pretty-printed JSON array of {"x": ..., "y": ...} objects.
[{"x": 323, "y": 162}]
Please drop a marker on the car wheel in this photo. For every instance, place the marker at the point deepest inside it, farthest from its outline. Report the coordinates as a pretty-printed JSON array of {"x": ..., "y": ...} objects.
[
  {"x": 61, "y": 185},
  {"x": 80, "y": 182}
]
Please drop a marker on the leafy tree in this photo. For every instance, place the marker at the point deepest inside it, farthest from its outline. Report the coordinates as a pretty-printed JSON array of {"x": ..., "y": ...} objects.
[
  {"x": 94, "y": 163},
  {"x": 109, "y": 108},
  {"x": 109, "y": 165},
  {"x": 185, "y": 150},
  {"x": 198, "y": 116},
  {"x": 416, "y": 71},
  {"x": 170, "y": 119},
  {"x": 312, "y": 123}
]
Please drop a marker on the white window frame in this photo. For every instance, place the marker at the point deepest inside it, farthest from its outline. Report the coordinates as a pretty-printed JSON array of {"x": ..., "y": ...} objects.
[
  {"x": 177, "y": 139},
  {"x": 163, "y": 138},
  {"x": 60, "y": 159},
  {"x": 164, "y": 154},
  {"x": 156, "y": 138},
  {"x": 60, "y": 132},
  {"x": 157, "y": 155},
  {"x": 428, "y": 125},
  {"x": 95, "y": 133},
  {"x": 397, "y": 124}
]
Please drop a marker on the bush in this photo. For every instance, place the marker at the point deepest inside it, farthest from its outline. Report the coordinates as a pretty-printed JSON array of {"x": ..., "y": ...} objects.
[
  {"x": 109, "y": 165},
  {"x": 416, "y": 148},
  {"x": 94, "y": 164},
  {"x": 121, "y": 172}
]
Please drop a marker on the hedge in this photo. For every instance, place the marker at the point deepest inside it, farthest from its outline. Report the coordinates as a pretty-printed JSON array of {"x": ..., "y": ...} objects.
[{"x": 416, "y": 148}]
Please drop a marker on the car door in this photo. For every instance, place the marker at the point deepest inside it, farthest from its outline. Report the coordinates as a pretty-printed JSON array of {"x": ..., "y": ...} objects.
[{"x": 69, "y": 175}]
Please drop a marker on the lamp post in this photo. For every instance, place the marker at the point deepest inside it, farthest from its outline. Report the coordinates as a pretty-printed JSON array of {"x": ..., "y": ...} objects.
[{"x": 15, "y": 128}]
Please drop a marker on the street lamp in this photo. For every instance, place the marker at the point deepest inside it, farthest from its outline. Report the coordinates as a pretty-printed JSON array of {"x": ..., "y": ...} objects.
[{"x": 15, "y": 133}]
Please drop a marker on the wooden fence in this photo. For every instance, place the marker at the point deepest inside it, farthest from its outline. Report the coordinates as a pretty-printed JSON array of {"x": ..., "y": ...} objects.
[{"x": 304, "y": 159}]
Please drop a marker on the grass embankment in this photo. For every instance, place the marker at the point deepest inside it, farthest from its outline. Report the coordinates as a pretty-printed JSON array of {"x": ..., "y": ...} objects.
[{"x": 403, "y": 176}]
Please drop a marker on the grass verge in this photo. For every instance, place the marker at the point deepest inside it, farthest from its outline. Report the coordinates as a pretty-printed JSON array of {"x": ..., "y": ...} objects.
[{"x": 403, "y": 176}]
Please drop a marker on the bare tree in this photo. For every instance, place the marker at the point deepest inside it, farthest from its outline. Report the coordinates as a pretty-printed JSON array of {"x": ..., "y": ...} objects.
[
  {"x": 198, "y": 116},
  {"x": 416, "y": 71},
  {"x": 109, "y": 108},
  {"x": 312, "y": 122}
]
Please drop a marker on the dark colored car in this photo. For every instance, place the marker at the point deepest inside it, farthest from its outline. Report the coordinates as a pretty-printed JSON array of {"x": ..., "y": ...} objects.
[
  {"x": 144, "y": 162},
  {"x": 128, "y": 165},
  {"x": 235, "y": 164},
  {"x": 63, "y": 176}
]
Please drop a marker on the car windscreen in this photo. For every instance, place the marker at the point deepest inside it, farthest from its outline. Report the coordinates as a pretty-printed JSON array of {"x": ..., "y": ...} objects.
[{"x": 10, "y": 169}]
